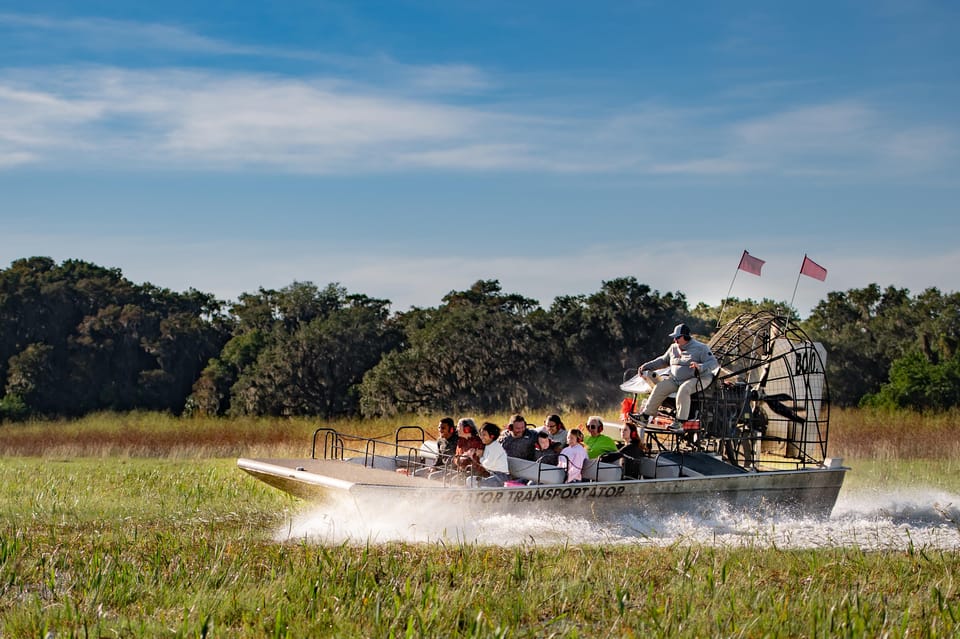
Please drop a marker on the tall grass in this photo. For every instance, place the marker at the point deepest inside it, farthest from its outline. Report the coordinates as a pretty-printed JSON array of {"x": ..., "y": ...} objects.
[
  {"x": 889, "y": 435},
  {"x": 177, "y": 548},
  {"x": 854, "y": 434},
  {"x": 143, "y": 434}
]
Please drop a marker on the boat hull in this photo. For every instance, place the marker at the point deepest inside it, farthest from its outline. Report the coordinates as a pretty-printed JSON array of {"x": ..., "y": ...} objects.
[{"x": 804, "y": 492}]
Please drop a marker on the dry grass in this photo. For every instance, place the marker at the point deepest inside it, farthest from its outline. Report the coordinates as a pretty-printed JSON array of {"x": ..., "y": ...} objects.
[
  {"x": 142, "y": 434},
  {"x": 854, "y": 434},
  {"x": 891, "y": 435},
  {"x": 152, "y": 435}
]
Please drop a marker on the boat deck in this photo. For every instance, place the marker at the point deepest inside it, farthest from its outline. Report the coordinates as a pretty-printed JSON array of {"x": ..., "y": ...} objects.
[{"x": 349, "y": 473}]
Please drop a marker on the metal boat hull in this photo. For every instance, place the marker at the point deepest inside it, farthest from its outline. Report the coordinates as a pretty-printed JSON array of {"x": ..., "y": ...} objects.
[{"x": 805, "y": 492}]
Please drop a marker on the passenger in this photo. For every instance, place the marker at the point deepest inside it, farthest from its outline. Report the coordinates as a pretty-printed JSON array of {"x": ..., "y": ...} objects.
[
  {"x": 546, "y": 452},
  {"x": 692, "y": 366},
  {"x": 597, "y": 443},
  {"x": 446, "y": 446},
  {"x": 518, "y": 440},
  {"x": 554, "y": 427},
  {"x": 574, "y": 456},
  {"x": 466, "y": 441},
  {"x": 491, "y": 464},
  {"x": 631, "y": 451},
  {"x": 446, "y": 443}
]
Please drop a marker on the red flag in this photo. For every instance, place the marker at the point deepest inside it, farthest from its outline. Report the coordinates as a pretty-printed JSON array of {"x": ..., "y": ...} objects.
[
  {"x": 751, "y": 264},
  {"x": 812, "y": 269}
]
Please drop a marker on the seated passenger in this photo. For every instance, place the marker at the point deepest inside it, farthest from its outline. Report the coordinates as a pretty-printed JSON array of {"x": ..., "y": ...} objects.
[
  {"x": 446, "y": 449},
  {"x": 574, "y": 456},
  {"x": 492, "y": 464},
  {"x": 467, "y": 440},
  {"x": 553, "y": 426},
  {"x": 518, "y": 440},
  {"x": 597, "y": 443},
  {"x": 630, "y": 451},
  {"x": 546, "y": 452}
]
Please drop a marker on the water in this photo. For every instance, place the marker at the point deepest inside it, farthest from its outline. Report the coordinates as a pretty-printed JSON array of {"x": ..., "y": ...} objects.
[{"x": 872, "y": 520}]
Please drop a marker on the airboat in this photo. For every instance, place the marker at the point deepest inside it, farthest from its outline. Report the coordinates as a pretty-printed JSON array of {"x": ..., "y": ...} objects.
[{"x": 756, "y": 442}]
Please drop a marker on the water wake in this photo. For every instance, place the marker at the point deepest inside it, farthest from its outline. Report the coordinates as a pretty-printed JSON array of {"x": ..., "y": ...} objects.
[{"x": 869, "y": 519}]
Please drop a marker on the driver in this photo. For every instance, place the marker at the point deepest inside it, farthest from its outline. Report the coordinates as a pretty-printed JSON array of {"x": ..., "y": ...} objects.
[{"x": 692, "y": 365}]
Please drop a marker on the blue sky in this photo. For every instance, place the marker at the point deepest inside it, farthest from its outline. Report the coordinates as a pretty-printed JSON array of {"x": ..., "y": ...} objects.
[{"x": 407, "y": 149}]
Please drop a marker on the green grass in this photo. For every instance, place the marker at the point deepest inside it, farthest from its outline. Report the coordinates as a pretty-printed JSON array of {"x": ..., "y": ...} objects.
[
  {"x": 151, "y": 548},
  {"x": 129, "y": 526}
]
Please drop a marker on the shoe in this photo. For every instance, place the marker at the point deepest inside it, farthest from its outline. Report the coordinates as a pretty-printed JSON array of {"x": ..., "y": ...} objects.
[
  {"x": 676, "y": 427},
  {"x": 640, "y": 419}
]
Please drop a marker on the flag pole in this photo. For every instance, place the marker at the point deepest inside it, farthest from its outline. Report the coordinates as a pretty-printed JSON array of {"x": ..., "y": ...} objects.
[
  {"x": 723, "y": 302},
  {"x": 798, "y": 280}
]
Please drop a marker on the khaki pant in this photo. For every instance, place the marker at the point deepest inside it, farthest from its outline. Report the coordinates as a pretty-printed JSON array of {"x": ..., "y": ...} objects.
[{"x": 684, "y": 390}]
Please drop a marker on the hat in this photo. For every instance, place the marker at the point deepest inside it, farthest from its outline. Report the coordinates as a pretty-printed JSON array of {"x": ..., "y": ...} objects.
[{"x": 680, "y": 329}]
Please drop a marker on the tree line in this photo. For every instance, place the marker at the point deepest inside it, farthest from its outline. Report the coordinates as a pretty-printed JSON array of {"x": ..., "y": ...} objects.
[{"x": 76, "y": 338}]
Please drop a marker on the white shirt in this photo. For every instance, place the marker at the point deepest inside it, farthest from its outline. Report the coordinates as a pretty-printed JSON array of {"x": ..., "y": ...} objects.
[{"x": 494, "y": 458}]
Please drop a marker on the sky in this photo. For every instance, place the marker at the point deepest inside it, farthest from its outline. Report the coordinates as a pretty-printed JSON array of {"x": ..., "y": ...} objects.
[{"x": 406, "y": 149}]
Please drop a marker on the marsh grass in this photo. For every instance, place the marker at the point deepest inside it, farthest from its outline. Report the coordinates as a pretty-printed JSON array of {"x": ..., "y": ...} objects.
[
  {"x": 141, "y": 526},
  {"x": 153, "y": 548},
  {"x": 142, "y": 434},
  {"x": 854, "y": 433},
  {"x": 890, "y": 435}
]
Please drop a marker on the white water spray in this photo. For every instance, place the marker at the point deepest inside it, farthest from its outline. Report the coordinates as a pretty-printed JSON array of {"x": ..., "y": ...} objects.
[{"x": 892, "y": 520}]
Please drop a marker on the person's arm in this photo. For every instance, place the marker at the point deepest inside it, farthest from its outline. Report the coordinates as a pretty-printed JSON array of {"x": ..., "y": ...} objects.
[
  {"x": 706, "y": 361},
  {"x": 654, "y": 364}
]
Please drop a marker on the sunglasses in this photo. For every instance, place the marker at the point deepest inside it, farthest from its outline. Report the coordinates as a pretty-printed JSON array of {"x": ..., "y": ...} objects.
[{"x": 592, "y": 427}]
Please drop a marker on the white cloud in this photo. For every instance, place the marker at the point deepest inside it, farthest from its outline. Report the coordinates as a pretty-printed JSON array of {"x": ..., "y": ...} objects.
[
  {"x": 835, "y": 126},
  {"x": 179, "y": 118},
  {"x": 921, "y": 147},
  {"x": 706, "y": 166},
  {"x": 104, "y": 34},
  {"x": 171, "y": 117},
  {"x": 378, "y": 114},
  {"x": 32, "y": 120},
  {"x": 10, "y": 159},
  {"x": 844, "y": 137},
  {"x": 447, "y": 78}
]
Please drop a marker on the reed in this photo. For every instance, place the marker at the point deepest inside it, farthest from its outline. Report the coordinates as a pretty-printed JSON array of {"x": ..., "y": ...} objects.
[
  {"x": 893, "y": 435},
  {"x": 145, "y": 434},
  {"x": 854, "y": 433}
]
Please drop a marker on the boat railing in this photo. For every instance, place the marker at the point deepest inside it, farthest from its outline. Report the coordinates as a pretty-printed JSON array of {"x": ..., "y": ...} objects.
[
  {"x": 729, "y": 420},
  {"x": 333, "y": 445},
  {"x": 405, "y": 453},
  {"x": 597, "y": 470},
  {"x": 536, "y": 471},
  {"x": 407, "y": 436}
]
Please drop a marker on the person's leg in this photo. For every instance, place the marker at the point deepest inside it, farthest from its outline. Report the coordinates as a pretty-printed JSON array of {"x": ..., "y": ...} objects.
[
  {"x": 495, "y": 480},
  {"x": 660, "y": 392},
  {"x": 687, "y": 389}
]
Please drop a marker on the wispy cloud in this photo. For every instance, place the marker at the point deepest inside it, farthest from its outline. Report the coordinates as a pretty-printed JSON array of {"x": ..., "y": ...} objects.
[
  {"x": 171, "y": 117},
  {"x": 380, "y": 115},
  {"x": 104, "y": 34},
  {"x": 447, "y": 78}
]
